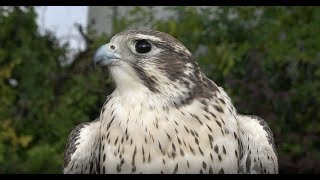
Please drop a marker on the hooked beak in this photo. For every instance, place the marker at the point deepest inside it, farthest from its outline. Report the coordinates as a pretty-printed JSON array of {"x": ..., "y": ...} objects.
[{"x": 104, "y": 56}]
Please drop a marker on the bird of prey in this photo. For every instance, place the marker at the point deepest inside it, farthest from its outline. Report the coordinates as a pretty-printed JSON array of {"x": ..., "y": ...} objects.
[{"x": 166, "y": 116}]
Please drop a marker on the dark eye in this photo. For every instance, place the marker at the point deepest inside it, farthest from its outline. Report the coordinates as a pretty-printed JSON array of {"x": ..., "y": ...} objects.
[{"x": 143, "y": 46}]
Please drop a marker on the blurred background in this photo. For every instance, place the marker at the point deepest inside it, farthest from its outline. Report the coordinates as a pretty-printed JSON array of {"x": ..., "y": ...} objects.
[{"x": 266, "y": 58}]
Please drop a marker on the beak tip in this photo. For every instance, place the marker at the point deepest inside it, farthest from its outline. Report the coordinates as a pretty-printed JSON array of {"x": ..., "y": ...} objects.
[{"x": 104, "y": 57}]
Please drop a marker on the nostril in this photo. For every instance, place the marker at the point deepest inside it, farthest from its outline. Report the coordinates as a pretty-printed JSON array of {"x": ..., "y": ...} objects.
[{"x": 112, "y": 47}]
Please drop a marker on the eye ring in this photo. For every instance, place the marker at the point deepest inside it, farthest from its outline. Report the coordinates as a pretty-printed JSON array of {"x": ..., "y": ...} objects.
[{"x": 143, "y": 46}]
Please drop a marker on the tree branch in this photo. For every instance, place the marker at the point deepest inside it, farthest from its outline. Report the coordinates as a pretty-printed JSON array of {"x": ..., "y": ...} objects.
[{"x": 84, "y": 35}]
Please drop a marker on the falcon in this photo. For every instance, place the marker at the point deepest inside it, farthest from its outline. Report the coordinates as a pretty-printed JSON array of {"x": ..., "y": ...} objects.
[{"x": 166, "y": 116}]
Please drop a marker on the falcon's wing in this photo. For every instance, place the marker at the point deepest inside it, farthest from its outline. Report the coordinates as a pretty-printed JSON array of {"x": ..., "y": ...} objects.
[
  {"x": 82, "y": 141},
  {"x": 257, "y": 148}
]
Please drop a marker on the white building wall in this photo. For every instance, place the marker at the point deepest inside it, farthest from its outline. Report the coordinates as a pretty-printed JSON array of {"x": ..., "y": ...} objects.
[{"x": 100, "y": 17}]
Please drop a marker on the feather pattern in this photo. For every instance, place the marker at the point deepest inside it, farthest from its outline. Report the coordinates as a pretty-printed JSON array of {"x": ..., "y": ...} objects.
[{"x": 166, "y": 116}]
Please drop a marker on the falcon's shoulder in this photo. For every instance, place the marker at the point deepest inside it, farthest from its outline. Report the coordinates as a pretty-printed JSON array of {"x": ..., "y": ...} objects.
[
  {"x": 257, "y": 148},
  {"x": 72, "y": 142},
  {"x": 81, "y": 141}
]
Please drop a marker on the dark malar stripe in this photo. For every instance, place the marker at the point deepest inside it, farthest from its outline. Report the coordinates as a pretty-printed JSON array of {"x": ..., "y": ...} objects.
[{"x": 147, "y": 81}]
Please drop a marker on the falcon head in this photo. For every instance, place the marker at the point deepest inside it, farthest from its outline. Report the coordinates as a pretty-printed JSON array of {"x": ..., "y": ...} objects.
[{"x": 153, "y": 61}]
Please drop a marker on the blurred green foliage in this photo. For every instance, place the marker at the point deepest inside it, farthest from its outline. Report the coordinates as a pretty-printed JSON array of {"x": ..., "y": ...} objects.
[{"x": 267, "y": 59}]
